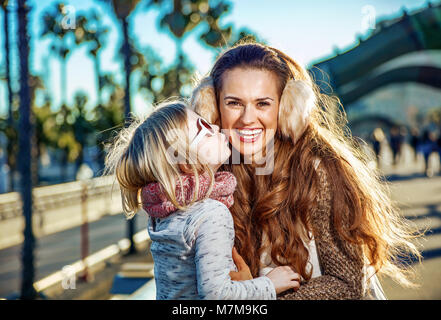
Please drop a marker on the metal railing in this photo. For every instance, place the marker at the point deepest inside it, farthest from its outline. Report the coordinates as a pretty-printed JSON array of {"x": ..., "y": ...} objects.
[
  {"x": 56, "y": 196},
  {"x": 58, "y": 207}
]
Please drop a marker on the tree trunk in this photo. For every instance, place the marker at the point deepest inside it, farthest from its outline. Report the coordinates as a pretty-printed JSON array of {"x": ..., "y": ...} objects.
[
  {"x": 99, "y": 85},
  {"x": 127, "y": 109},
  {"x": 25, "y": 132},
  {"x": 127, "y": 68},
  {"x": 63, "y": 165},
  {"x": 179, "y": 65},
  {"x": 80, "y": 160},
  {"x": 35, "y": 154},
  {"x": 9, "y": 100},
  {"x": 63, "y": 82}
]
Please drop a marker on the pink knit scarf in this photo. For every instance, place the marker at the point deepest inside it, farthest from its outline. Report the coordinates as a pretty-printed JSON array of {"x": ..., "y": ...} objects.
[{"x": 156, "y": 204}]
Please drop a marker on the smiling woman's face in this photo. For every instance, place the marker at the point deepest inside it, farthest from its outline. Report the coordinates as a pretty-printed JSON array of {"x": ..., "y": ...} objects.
[{"x": 249, "y": 107}]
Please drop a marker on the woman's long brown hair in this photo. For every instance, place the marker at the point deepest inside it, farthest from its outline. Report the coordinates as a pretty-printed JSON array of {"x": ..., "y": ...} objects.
[{"x": 279, "y": 205}]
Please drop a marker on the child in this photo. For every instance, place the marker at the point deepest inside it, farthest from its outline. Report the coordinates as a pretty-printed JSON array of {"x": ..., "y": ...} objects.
[{"x": 167, "y": 165}]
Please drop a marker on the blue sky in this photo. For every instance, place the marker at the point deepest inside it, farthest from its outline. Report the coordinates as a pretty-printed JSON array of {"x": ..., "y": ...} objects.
[{"x": 305, "y": 30}]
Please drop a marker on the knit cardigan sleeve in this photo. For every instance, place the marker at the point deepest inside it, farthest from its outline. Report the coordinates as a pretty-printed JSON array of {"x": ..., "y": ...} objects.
[{"x": 341, "y": 262}]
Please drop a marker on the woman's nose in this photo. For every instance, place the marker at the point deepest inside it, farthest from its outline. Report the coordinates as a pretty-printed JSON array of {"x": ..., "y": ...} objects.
[{"x": 248, "y": 115}]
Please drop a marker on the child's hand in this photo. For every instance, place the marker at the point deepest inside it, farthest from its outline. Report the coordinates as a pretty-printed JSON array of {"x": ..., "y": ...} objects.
[
  {"x": 284, "y": 278},
  {"x": 243, "y": 272}
]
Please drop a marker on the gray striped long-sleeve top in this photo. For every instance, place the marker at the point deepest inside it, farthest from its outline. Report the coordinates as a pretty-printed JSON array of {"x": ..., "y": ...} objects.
[{"x": 192, "y": 256}]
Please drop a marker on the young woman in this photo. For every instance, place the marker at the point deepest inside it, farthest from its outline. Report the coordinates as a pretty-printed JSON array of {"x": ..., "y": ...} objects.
[
  {"x": 320, "y": 209},
  {"x": 167, "y": 166}
]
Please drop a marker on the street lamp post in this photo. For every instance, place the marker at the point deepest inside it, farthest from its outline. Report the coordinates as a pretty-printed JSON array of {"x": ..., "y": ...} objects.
[{"x": 84, "y": 175}]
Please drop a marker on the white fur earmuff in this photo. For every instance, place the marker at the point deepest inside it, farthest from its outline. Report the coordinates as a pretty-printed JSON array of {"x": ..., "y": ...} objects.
[
  {"x": 203, "y": 101},
  {"x": 296, "y": 103}
]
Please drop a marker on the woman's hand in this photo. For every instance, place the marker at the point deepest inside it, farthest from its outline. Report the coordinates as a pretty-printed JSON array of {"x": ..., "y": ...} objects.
[
  {"x": 243, "y": 272},
  {"x": 284, "y": 278}
]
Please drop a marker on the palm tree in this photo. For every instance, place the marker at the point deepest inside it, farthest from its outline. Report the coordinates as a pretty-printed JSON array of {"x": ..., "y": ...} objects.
[
  {"x": 11, "y": 132},
  {"x": 52, "y": 27},
  {"x": 25, "y": 126},
  {"x": 216, "y": 36},
  {"x": 63, "y": 40},
  {"x": 184, "y": 16},
  {"x": 82, "y": 128},
  {"x": 4, "y": 5},
  {"x": 63, "y": 43},
  {"x": 176, "y": 80},
  {"x": 107, "y": 116},
  {"x": 187, "y": 14},
  {"x": 45, "y": 126},
  {"x": 242, "y": 34},
  {"x": 123, "y": 9},
  {"x": 66, "y": 139},
  {"x": 55, "y": 130},
  {"x": 91, "y": 30},
  {"x": 35, "y": 83},
  {"x": 151, "y": 82}
]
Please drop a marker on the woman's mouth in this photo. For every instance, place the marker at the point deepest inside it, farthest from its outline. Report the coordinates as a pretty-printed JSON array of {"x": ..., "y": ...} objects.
[{"x": 249, "y": 135}]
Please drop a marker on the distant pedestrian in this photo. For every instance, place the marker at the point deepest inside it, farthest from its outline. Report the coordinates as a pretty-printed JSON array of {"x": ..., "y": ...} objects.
[
  {"x": 377, "y": 138},
  {"x": 396, "y": 141},
  {"x": 414, "y": 141},
  {"x": 427, "y": 146}
]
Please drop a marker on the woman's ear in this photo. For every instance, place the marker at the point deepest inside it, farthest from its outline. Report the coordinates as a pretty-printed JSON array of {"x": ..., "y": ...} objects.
[
  {"x": 203, "y": 101},
  {"x": 296, "y": 103}
]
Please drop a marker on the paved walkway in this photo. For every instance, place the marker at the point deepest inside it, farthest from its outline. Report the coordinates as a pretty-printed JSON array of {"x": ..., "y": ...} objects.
[
  {"x": 419, "y": 198},
  {"x": 57, "y": 250}
]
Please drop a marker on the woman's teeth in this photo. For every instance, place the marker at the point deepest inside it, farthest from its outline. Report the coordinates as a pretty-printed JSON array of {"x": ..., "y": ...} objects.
[{"x": 249, "y": 135}]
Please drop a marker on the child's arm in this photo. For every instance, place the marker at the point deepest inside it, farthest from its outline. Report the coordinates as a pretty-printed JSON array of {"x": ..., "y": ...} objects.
[{"x": 214, "y": 239}]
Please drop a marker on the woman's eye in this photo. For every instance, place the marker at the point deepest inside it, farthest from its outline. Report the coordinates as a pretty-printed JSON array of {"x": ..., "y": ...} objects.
[
  {"x": 233, "y": 103},
  {"x": 263, "y": 104}
]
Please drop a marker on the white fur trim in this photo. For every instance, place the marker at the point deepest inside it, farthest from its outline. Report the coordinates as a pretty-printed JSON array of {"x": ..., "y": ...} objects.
[{"x": 297, "y": 102}]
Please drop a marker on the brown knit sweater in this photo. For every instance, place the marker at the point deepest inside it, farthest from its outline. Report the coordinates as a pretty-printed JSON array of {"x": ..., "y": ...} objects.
[{"x": 341, "y": 262}]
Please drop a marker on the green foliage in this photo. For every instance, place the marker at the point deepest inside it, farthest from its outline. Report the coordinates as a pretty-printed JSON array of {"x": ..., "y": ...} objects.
[
  {"x": 244, "y": 35},
  {"x": 4, "y": 4},
  {"x": 53, "y": 27},
  {"x": 137, "y": 59},
  {"x": 122, "y": 8},
  {"x": 185, "y": 15},
  {"x": 66, "y": 129},
  {"x": 72, "y": 127},
  {"x": 90, "y": 30},
  {"x": 108, "y": 117},
  {"x": 11, "y": 135},
  {"x": 216, "y": 36},
  {"x": 158, "y": 83},
  {"x": 63, "y": 37}
]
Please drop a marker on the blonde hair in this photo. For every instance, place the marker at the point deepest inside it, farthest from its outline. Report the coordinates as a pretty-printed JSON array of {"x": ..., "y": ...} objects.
[{"x": 145, "y": 152}]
